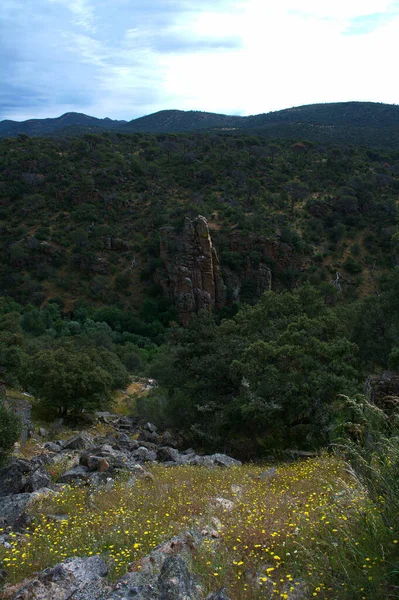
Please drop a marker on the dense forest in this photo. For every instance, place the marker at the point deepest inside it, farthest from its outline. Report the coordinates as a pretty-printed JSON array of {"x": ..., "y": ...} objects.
[{"x": 86, "y": 285}]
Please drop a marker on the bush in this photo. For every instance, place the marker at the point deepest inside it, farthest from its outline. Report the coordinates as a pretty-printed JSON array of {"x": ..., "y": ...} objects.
[{"x": 10, "y": 429}]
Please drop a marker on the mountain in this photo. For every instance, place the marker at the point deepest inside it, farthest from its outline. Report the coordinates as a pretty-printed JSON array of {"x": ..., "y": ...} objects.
[
  {"x": 41, "y": 127},
  {"x": 362, "y": 123}
]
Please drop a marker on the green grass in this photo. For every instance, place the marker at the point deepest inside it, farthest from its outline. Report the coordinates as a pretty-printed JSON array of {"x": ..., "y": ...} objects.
[{"x": 310, "y": 525}]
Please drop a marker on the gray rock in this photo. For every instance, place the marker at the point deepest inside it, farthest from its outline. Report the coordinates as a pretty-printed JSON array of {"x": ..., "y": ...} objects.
[
  {"x": 175, "y": 581},
  {"x": 39, "y": 479},
  {"x": 147, "y": 436},
  {"x": 101, "y": 480},
  {"x": 222, "y": 460},
  {"x": 43, "y": 432},
  {"x": 12, "y": 511},
  {"x": 165, "y": 454},
  {"x": 219, "y": 595},
  {"x": 137, "y": 586},
  {"x": 13, "y": 477},
  {"x": 77, "y": 578},
  {"x": 269, "y": 474},
  {"x": 77, "y": 442},
  {"x": 78, "y": 473},
  {"x": 52, "y": 446},
  {"x": 150, "y": 427},
  {"x": 144, "y": 455}
]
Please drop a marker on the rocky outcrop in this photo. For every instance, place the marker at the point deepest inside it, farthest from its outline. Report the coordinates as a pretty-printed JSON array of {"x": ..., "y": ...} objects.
[
  {"x": 77, "y": 578},
  {"x": 193, "y": 275},
  {"x": 194, "y": 279},
  {"x": 383, "y": 390}
]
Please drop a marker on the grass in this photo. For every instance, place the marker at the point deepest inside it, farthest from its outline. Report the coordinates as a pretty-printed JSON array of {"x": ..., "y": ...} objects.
[{"x": 311, "y": 526}]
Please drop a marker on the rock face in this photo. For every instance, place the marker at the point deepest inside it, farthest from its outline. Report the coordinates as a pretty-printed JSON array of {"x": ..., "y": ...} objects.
[{"x": 194, "y": 277}]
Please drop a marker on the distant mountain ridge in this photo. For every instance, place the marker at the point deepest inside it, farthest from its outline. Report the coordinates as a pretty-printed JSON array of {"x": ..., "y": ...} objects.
[{"x": 367, "y": 123}]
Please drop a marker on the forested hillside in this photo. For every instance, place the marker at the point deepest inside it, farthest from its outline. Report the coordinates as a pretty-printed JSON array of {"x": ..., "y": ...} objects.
[{"x": 103, "y": 246}]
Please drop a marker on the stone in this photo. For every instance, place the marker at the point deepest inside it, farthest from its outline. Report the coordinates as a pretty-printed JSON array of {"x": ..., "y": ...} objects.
[
  {"x": 43, "y": 432},
  {"x": 269, "y": 474},
  {"x": 147, "y": 436},
  {"x": 77, "y": 578},
  {"x": 135, "y": 586},
  {"x": 52, "y": 446},
  {"x": 165, "y": 454},
  {"x": 77, "y": 442},
  {"x": 224, "y": 503},
  {"x": 144, "y": 455},
  {"x": 79, "y": 473},
  {"x": 222, "y": 460},
  {"x": 219, "y": 595},
  {"x": 175, "y": 581},
  {"x": 194, "y": 278},
  {"x": 150, "y": 427},
  {"x": 14, "y": 476},
  {"x": 12, "y": 511},
  {"x": 39, "y": 479},
  {"x": 101, "y": 480}
]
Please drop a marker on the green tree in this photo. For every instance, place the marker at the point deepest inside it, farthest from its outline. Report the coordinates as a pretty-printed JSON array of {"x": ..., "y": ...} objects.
[{"x": 68, "y": 381}]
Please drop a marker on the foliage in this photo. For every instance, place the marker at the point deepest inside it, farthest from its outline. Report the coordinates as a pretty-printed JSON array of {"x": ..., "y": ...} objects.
[
  {"x": 10, "y": 429},
  {"x": 268, "y": 376},
  {"x": 68, "y": 381}
]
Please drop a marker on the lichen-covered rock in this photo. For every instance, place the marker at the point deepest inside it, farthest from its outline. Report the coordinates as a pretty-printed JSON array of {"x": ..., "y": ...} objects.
[
  {"x": 222, "y": 460},
  {"x": 39, "y": 479},
  {"x": 79, "y": 473},
  {"x": 13, "y": 477},
  {"x": 219, "y": 595},
  {"x": 77, "y": 578},
  {"x": 77, "y": 442},
  {"x": 12, "y": 511},
  {"x": 175, "y": 581}
]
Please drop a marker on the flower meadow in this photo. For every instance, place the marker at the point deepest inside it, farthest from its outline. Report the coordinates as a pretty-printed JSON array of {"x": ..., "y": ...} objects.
[{"x": 306, "y": 525}]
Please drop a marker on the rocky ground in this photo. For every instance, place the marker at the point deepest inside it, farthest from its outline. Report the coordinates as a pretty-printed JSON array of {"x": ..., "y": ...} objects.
[{"x": 95, "y": 460}]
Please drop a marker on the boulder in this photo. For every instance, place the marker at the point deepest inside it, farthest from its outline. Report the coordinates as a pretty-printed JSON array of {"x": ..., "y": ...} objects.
[
  {"x": 222, "y": 460},
  {"x": 79, "y": 473},
  {"x": 165, "y": 454},
  {"x": 12, "y": 511},
  {"x": 138, "y": 586},
  {"x": 39, "y": 479},
  {"x": 77, "y": 578},
  {"x": 77, "y": 442},
  {"x": 175, "y": 581},
  {"x": 144, "y": 455},
  {"x": 14, "y": 476},
  {"x": 53, "y": 446},
  {"x": 150, "y": 427}
]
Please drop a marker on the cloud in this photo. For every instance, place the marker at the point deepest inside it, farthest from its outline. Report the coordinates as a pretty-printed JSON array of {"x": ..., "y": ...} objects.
[{"x": 127, "y": 58}]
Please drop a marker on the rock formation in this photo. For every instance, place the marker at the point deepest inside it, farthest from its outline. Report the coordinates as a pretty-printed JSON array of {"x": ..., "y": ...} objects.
[{"x": 194, "y": 277}]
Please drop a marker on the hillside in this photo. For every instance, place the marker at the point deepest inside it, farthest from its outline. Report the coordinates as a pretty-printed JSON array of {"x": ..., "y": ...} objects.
[{"x": 362, "y": 123}]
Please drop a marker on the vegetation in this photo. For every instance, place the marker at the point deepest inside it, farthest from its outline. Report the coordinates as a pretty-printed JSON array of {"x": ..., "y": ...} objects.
[
  {"x": 10, "y": 429},
  {"x": 309, "y": 522}
]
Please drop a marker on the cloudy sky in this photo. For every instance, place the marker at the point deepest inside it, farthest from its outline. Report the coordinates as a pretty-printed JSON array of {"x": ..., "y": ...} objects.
[{"x": 128, "y": 58}]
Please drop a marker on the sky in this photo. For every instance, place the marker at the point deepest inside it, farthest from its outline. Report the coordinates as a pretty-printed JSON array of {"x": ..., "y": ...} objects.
[{"x": 127, "y": 58}]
